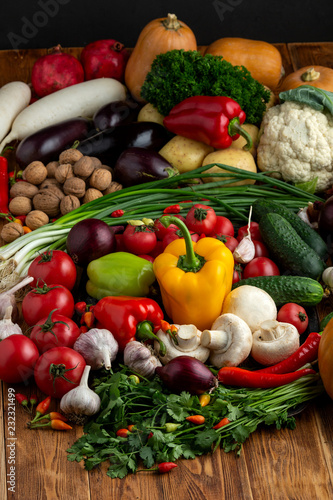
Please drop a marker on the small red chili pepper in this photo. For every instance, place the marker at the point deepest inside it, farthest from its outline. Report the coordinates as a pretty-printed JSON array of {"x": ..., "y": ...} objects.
[
  {"x": 22, "y": 399},
  {"x": 58, "y": 425},
  {"x": 162, "y": 468},
  {"x": 54, "y": 415},
  {"x": 196, "y": 419},
  {"x": 170, "y": 330},
  {"x": 42, "y": 408},
  {"x": 33, "y": 401},
  {"x": 83, "y": 329},
  {"x": 80, "y": 307},
  {"x": 222, "y": 423},
  {"x": 254, "y": 379},
  {"x": 306, "y": 353},
  {"x": 150, "y": 435},
  {"x": 204, "y": 399},
  {"x": 117, "y": 213},
  {"x": 131, "y": 427},
  {"x": 172, "y": 209},
  {"x": 123, "y": 433}
]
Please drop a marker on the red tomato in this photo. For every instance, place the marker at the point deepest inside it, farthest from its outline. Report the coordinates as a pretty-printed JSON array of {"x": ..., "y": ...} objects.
[
  {"x": 161, "y": 231},
  {"x": 176, "y": 236},
  {"x": 157, "y": 250},
  {"x": 224, "y": 226},
  {"x": 18, "y": 356},
  {"x": 55, "y": 330},
  {"x": 53, "y": 266},
  {"x": 238, "y": 273},
  {"x": 40, "y": 301},
  {"x": 139, "y": 239},
  {"x": 254, "y": 231},
  {"x": 294, "y": 314},
  {"x": 260, "y": 249},
  {"x": 260, "y": 266},
  {"x": 229, "y": 241},
  {"x": 147, "y": 257},
  {"x": 54, "y": 367},
  {"x": 120, "y": 247},
  {"x": 201, "y": 219}
]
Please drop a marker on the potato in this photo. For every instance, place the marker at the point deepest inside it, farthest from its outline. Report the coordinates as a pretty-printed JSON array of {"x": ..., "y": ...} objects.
[
  {"x": 240, "y": 142},
  {"x": 150, "y": 114},
  {"x": 235, "y": 158},
  {"x": 272, "y": 99},
  {"x": 185, "y": 154}
]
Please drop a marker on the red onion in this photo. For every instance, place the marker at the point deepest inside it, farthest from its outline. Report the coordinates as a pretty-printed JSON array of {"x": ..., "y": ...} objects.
[
  {"x": 185, "y": 373},
  {"x": 90, "y": 239}
]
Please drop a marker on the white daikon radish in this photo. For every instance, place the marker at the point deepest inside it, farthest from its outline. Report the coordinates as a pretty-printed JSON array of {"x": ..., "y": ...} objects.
[
  {"x": 81, "y": 99},
  {"x": 14, "y": 97}
]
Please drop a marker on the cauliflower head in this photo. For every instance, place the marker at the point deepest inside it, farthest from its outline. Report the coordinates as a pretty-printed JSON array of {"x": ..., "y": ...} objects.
[{"x": 297, "y": 142}]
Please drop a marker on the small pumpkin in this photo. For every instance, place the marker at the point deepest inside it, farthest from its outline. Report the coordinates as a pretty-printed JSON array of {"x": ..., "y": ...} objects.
[
  {"x": 317, "y": 76},
  {"x": 325, "y": 357},
  {"x": 261, "y": 59},
  {"x": 157, "y": 37}
]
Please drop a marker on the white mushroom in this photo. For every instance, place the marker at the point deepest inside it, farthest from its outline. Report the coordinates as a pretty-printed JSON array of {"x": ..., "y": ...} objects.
[
  {"x": 229, "y": 340},
  {"x": 251, "y": 304},
  {"x": 273, "y": 342},
  {"x": 189, "y": 343}
]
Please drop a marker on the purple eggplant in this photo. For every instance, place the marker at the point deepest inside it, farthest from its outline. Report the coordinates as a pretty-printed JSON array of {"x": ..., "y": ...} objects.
[
  {"x": 116, "y": 113},
  {"x": 47, "y": 144},
  {"x": 139, "y": 165}
]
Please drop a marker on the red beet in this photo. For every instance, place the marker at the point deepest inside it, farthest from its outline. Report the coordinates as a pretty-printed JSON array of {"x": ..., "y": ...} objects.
[
  {"x": 55, "y": 71},
  {"x": 104, "y": 59}
]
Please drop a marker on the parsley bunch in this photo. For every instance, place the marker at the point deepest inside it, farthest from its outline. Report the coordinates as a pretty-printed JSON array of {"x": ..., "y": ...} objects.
[
  {"x": 178, "y": 74},
  {"x": 150, "y": 406}
]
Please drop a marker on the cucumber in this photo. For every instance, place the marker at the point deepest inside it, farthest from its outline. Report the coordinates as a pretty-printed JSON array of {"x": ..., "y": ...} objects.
[
  {"x": 283, "y": 289},
  {"x": 307, "y": 233},
  {"x": 325, "y": 321},
  {"x": 288, "y": 249}
]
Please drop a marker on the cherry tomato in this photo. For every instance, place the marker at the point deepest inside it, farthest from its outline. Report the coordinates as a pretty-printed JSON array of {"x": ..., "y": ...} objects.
[
  {"x": 294, "y": 314},
  {"x": 260, "y": 266},
  {"x": 161, "y": 231},
  {"x": 54, "y": 367},
  {"x": 224, "y": 226},
  {"x": 53, "y": 266},
  {"x": 40, "y": 301},
  {"x": 238, "y": 273},
  {"x": 176, "y": 235},
  {"x": 139, "y": 239},
  {"x": 229, "y": 241},
  {"x": 254, "y": 231},
  {"x": 18, "y": 356},
  {"x": 55, "y": 330},
  {"x": 201, "y": 219},
  {"x": 260, "y": 249}
]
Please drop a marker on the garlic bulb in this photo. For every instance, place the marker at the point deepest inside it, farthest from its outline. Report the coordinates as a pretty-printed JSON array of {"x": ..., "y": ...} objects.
[
  {"x": 140, "y": 359},
  {"x": 81, "y": 402},
  {"x": 7, "y": 327},
  {"x": 7, "y": 298},
  {"x": 98, "y": 347},
  {"x": 327, "y": 277},
  {"x": 245, "y": 250}
]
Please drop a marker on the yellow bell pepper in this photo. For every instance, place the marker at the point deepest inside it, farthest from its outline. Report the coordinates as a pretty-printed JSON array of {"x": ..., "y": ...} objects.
[{"x": 194, "y": 278}]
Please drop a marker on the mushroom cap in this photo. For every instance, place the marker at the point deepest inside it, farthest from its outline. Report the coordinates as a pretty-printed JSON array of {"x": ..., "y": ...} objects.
[{"x": 273, "y": 342}]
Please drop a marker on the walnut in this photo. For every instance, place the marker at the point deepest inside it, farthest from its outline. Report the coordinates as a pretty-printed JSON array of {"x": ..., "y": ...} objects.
[
  {"x": 36, "y": 219},
  {"x": 51, "y": 167},
  {"x": 110, "y": 169},
  {"x": 69, "y": 203},
  {"x": 100, "y": 179},
  {"x": 35, "y": 172},
  {"x": 75, "y": 186},
  {"x": 48, "y": 183},
  {"x": 84, "y": 167},
  {"x": 48, "y": 201},
  {"x": 114, "y": 186},
  {"x": 23, "y": 189},
  {"x": 20, "y": 205},
  {"x": 91, "y": 194},
  {"x": 96, "y": 161},
  {"x": 70, "y": 156},
  {"x": 11, "y": 232},
  {"x": 64, "y": 172}
]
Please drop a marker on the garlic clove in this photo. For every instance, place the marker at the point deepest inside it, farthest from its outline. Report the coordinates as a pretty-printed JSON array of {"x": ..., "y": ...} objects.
[
  {"x": 245, "y": 250},
  {"x": 7, "y": 327}
]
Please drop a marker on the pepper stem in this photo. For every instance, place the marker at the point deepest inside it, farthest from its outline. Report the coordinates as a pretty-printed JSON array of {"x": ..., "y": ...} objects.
[
  {"x": 190, "y": 262},
  {"x": 144, "y": 331},
  {"x": 234, "y": 128}
]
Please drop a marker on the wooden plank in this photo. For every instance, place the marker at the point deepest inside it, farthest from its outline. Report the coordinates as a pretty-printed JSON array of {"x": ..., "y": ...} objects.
[
  {"x": 3, "y": 479},
  {"x": 304, "y": 54},
  {"x": 324, "y": 419}
]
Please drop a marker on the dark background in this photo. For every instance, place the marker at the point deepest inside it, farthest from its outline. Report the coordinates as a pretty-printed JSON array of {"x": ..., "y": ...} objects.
[{"x": 33, "y": 24}]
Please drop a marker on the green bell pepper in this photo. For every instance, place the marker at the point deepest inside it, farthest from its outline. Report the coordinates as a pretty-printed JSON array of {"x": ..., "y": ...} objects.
[{"x": 119, "y": 273}]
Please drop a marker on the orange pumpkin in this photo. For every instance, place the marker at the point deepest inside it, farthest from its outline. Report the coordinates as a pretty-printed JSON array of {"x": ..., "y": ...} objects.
[
  {"x": 261, "y": 59},
  {"x": 157, "y": 37},
  {"x": 325, "y": 358},
  {"x": 317, "y": 76}
]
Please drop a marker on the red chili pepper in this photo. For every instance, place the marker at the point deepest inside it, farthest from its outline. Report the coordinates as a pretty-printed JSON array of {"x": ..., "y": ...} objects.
[
  {"x": 170, "y": 330},
  {"x": 130, "y": 318},
  {"x": 58, "y": 425},
  {"x": 42, "y": 408},
  {"x": 131, "y": 427},
  {"x": 172, "y": 209},
  {"x": 196, "y": 419},
  {"x": 162, "y": 468},
  {"x": 214, "y": 120},
  {"x": 33, "y": 401},
  {"x": 4, "y": 186},
  {"x": 254, "y": 379},
  {"x": 150, "y": 435},
  {"x": 222, "y": 423},
  {"x": 83, "y": 329},
  {"x": 88, "y": 319},
  {"x": 123, "y": 433},
  {"x": 117, "y": 213},
  {"x": 22, "y": 399},
  {"x": 306, "y": 353}
]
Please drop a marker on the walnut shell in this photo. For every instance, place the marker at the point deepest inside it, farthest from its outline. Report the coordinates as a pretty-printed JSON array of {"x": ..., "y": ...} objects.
[
  {"x": 36, "y": 219},
  {"x": 51, "y": 167},
  {"x": 48, "y": 201},
  {"x": 64, "y": 172},
  {"x": 49, "y": 183},
  {"x": 20, "y": 205},
  {"x": 35, "y": 172},
  {"x": 114, "y": 186},
  {"x": 100, "y": 179},
  {"x": 96, "y": 161},
  {"x": 70, "y": 156},
  {"x": 23, "y": 189},
  {"x": 75, "y": 186},
  {"x": 11, "y": 232},
  {"x": 69, "y": 203},
  {"x": 84, "y": 167},
  {"x": 91, "y": 194}
]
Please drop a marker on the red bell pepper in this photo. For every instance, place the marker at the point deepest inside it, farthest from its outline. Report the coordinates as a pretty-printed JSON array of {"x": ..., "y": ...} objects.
[
  {"x": 130, "y": 318},
  {"x": 214, "y": 120}
]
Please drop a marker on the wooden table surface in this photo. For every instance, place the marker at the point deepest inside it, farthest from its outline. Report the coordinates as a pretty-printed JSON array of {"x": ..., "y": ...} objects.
[{"x": 280, "y": 465}]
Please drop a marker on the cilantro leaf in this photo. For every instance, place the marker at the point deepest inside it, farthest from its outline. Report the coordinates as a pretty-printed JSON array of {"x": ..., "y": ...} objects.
[
  {"x": 147, "y": 455},
  {"x": 205, "y": 439}
]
